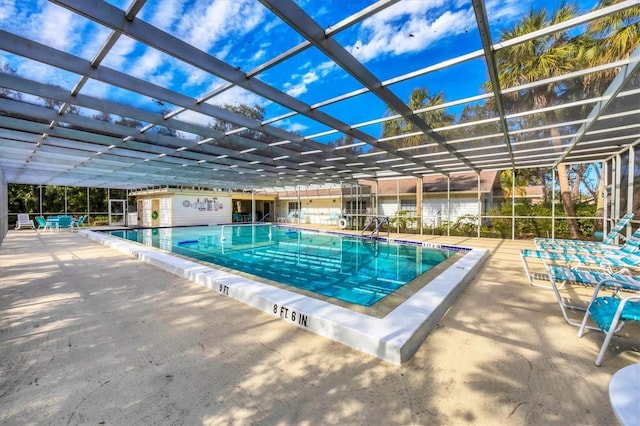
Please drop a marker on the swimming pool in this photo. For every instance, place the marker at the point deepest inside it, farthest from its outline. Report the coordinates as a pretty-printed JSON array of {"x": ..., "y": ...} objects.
[
  {"x": 391, "y": 329},
  {"x": 354, "y": 270}
]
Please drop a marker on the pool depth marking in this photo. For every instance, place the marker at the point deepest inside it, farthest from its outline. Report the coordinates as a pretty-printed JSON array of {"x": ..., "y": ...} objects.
[{"x": 393, "y": 338}]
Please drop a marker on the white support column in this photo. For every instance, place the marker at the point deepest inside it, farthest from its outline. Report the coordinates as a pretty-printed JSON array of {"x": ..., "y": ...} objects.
[
  {"x": 253, "y": 205},
  {"x": 479, "y": 206},
  {"x": 553, "y": 203},
  {"x": 419, "y": 195},
  {"x": 605, "y": 197},
  {"x": 630, "y": 181},
  {"x": 448, "y": 206},
  {"x": 617, "y": 162},
  {"x": 513, "y": 204}
]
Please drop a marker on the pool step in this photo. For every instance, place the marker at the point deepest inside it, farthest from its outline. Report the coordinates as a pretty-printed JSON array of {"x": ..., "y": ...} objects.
[{"x": 300, "y": 258}]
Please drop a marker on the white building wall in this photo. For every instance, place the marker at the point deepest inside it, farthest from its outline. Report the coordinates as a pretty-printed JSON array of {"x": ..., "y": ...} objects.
[
  {"x": 4, "y": 206},
  {"x": 317, "y": 211},
  {"x": 435, "y": 210},
  {"x": 201, "y": 210},
  {"x": 387, "y": 207},
  {"x": 165, "y": 212}
]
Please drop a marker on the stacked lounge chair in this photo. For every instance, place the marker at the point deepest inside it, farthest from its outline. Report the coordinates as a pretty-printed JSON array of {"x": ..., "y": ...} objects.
[
  {"x": 600, "y": 265},
  {"x": 609, "y": 239}
]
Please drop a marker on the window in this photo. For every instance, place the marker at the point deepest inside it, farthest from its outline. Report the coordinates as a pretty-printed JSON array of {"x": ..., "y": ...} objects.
[
  {"x": 294, "y": 206},
  {"x": 356, "y": 207},
  {"x": 408, "y": 205}
]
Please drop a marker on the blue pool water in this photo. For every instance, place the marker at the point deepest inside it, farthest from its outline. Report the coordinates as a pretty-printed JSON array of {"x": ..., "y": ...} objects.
[{"x": 351, "y": 269}]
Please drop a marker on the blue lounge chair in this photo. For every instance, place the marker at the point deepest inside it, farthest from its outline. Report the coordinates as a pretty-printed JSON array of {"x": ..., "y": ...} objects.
[
  {"x": 559, "y": 276},
  {"x": 607, "y": 240},
  {"x": 610, "y": 314},
  {"x": 631, "y": 245},
  {"x": 607, "y": 263}
]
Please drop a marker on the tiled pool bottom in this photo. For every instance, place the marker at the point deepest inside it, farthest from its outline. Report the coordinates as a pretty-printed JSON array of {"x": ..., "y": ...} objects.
[{"x": 394, "y": 337}]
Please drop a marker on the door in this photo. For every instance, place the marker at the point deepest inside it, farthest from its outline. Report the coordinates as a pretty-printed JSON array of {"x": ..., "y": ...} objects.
[
  {"x": 117, "y": 212},
  {"x": 266, "y": 209}
]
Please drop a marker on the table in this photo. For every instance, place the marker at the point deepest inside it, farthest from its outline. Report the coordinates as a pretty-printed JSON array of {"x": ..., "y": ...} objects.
[
  {"x": 624, "y": 395},
  {"x": 52, "y": 221}
]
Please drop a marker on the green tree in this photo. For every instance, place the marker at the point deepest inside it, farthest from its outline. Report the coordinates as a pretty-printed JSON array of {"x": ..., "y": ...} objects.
[
  {"x": 523, "y": 179},
  {"x": 23, "y": 198},
  {"x": 613, "y": 37},
  {"x": 163, "y": 130},
  {"x": 419, "y": 99},
  {"x": 255, "y": 112},
  {"x": 7, "y": 93},
  {"x": 348, "y": 141},
  {"x": 547, "y": 56}
]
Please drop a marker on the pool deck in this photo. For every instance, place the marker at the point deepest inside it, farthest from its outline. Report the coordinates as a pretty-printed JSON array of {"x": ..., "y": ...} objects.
[{"x": 92, "y": 335}]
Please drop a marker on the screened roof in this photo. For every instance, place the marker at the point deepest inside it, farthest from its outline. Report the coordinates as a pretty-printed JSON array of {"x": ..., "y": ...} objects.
[{"x": 134, "y": 94}]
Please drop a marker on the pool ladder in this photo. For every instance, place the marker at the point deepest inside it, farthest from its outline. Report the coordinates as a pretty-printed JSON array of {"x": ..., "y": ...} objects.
[{"x": 376, "y": 222}]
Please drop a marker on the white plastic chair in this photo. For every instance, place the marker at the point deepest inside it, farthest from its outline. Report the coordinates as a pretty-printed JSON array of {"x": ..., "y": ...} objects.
[{"x": 24, "y": 221}]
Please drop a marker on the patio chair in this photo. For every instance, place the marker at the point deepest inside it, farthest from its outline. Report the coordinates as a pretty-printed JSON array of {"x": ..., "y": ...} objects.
[
  {"x": 65, "y": 222},
  {"x": 24, "y": 221},
  {"x": 290, "y": 217},
  {"x": 607, "y": 240},
  {"x": 559, "y": 276},
  {"x": 333, "y": 218},
  {"x": 610, "y": 314},
  {"x": 42, "y": 224},
  {"x": 80, "y": 221}
]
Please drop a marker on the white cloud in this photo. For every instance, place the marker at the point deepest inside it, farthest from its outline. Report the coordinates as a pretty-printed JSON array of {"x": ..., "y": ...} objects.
[
  {"x": 508, "y": 9},
  {"x": 195, "y": 118},
  {"x": 300, "y": 87},
  {"x": 209, "y": 23},
  {"x": 409, "y": 27},
  {"x": 299, "y": 82},
  {"x": 119, "y": 53},
  {"x": 56, "y": 27},
  {"x": 291, "y": 126},
  {"x": 166, "y": 14},
  {"x": 195, "y": 77},
  {"x": 7, "y": 10},
  {"x": 146, "y": 63},
  {"x": 259, "y": 55},
  {"x": 237, "y": 96}
]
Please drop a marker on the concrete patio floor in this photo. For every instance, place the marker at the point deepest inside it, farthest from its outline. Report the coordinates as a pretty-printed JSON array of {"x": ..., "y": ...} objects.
[{"x": 92, "y": 336}]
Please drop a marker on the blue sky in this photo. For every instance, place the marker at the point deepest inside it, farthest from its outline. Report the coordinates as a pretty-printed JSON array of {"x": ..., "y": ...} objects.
[{"x": 405, "y": 37}]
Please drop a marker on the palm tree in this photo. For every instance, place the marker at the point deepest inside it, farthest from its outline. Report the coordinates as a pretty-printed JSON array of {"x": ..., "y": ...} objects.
[
  {"x": 418, "y": 99},
  {"x": 615, "y": 36},
  {"x": 523, "y": 179},
  {"x": 544, "y": 57}
]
